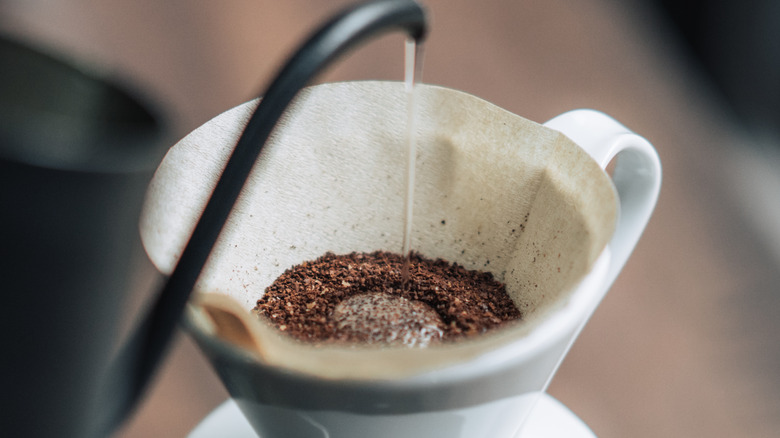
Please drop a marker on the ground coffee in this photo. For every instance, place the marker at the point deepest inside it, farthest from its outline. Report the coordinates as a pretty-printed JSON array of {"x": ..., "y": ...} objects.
[{"x": 359, "y": 297}]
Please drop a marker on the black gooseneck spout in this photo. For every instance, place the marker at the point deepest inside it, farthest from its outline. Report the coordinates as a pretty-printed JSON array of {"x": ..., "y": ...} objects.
[{"x": 139, "y": 357}]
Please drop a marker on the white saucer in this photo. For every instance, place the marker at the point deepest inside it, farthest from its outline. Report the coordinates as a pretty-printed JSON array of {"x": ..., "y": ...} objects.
[{"x": 550, "y": 419}]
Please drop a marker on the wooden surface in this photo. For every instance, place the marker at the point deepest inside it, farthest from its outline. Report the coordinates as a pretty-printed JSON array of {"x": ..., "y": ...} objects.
[{"x": 685, "y": 344}]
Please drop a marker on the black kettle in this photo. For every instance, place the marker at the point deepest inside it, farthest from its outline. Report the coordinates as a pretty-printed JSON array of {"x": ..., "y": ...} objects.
[{"x": 76, "y": 154}]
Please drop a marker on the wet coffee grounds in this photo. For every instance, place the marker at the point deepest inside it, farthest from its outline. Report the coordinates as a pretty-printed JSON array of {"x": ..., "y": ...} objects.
[{"x": 358, "y": 297}]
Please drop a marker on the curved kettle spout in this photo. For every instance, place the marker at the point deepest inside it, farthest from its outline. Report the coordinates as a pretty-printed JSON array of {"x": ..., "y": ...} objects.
[{"x": 139, "y": 357}]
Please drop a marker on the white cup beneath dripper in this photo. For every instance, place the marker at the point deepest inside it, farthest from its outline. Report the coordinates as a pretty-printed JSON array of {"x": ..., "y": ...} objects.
[{"x": 549, "y": 419}]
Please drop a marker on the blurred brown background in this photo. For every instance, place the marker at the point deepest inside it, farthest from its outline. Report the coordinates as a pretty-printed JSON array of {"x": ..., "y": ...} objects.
[{"x": 685, "y": 344}]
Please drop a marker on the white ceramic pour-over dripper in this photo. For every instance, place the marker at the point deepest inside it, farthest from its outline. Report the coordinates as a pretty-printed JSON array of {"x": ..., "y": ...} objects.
[{"x": 485, "y": 391}]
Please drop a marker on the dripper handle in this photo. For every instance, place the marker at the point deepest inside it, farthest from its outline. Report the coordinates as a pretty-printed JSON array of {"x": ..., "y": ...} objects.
[
  {"x": 139, "y": 357},
  {"x": 637, "y": 174}
]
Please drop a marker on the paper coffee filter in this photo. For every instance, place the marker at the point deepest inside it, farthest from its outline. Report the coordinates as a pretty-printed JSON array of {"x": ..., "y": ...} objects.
[{"x": 493, "y": 192}]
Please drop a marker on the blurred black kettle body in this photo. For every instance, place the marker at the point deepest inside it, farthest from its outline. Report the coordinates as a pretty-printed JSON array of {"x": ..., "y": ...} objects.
[{"x": 76, "y": 154}]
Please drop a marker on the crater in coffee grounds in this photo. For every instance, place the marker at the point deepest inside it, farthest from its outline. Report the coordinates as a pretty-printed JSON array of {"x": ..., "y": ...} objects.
[
  {"x": 358, "y": 297},
  {"x": 391, "y": 319}
]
